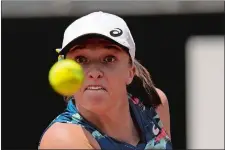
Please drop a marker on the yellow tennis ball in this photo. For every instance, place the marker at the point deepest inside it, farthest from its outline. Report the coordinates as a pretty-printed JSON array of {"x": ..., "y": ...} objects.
[{"x": 66, "y": 77}]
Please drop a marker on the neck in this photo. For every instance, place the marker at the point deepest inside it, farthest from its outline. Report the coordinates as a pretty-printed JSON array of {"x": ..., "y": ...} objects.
[{"x": 121, "y": 128}]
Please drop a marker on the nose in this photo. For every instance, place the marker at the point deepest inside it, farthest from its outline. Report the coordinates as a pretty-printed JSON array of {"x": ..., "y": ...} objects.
[{"x": 95, "y": 74}]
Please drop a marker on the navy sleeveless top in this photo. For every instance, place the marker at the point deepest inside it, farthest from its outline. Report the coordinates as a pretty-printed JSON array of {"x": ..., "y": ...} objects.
[{"x": 152, "y": 131}]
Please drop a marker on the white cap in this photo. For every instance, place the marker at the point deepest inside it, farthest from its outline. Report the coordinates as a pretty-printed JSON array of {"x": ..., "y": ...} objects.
[{"x": 100, "y": 23}]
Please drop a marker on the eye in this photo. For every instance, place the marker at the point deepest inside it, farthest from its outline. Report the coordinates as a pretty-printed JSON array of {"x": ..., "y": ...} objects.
[
  {"x": 81, "y": 59},
  {"x": 109, "y": 59}
]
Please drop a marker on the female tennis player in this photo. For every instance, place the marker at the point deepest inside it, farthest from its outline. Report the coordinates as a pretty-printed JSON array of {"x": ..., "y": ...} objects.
[{"x": 102, "y": 114}]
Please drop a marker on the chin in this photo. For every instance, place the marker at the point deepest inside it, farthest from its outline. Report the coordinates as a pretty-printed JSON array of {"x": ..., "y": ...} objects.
[
  {"x": 96, "y": 98},
  {"x": 96, "y": 101}
]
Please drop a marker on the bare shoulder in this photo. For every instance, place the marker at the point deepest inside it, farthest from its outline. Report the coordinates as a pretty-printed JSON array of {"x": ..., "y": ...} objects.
[
  {"x": 163, "y": 110},
  {"x": 162, "y": 96},
  {"x": 67, "y": 136}
]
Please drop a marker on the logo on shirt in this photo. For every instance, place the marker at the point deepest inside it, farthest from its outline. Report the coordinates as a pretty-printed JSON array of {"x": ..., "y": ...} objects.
[
  {"x": 116, "y": 32},
  {"x": 155, "y": 130}
]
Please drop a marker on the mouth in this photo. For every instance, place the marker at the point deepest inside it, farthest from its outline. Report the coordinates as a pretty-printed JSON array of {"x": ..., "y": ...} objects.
[{"x": 95, "y": 88}]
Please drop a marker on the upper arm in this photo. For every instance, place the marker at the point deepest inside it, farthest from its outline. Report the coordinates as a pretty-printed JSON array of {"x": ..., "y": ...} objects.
[
  {"x": 163, "y": 111},
  {"x": 65, "y": 136}
]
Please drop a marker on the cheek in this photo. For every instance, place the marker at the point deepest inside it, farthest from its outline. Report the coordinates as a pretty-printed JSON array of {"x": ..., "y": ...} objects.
[
  {"x": 116, "y": 76},
  {"x": 77, "y": 96}
]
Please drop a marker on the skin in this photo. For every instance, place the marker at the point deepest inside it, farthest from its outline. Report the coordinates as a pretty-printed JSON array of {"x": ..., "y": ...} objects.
[{"x": 107, "y": 65}]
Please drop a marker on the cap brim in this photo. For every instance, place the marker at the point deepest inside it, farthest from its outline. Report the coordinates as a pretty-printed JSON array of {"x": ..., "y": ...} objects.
[{"x": 87, "y": 36}]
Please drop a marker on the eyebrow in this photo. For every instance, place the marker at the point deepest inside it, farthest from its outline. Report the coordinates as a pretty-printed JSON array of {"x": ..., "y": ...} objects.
[
  {"x": 116, "y": 49},
  {"x": 75, "y": 47}
]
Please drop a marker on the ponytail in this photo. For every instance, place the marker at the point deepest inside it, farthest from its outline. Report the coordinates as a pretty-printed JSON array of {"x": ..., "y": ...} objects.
[{"x": 147, "y": 83}]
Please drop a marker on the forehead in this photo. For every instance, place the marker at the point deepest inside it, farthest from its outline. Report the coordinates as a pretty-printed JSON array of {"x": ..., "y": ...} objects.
[{"x": 94, "y": 41}]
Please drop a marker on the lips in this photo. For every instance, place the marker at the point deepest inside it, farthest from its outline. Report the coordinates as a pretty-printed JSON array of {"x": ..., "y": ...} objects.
[{"x": 95, "y": 88}]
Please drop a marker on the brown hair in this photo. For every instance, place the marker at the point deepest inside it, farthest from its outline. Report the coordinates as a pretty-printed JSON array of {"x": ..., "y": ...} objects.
[{"x": 147, "y": 83}]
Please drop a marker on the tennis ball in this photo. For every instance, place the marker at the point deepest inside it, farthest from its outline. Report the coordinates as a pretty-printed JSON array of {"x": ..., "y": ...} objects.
[{"x": 66, "y": 77}]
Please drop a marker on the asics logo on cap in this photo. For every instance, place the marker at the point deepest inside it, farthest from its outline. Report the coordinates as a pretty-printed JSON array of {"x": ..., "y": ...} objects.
[{"x": 116, "y": 32}]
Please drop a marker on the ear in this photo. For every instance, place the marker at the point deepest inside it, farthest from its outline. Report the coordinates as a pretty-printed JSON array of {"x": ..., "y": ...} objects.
[{"x": 131, "y": 74}]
